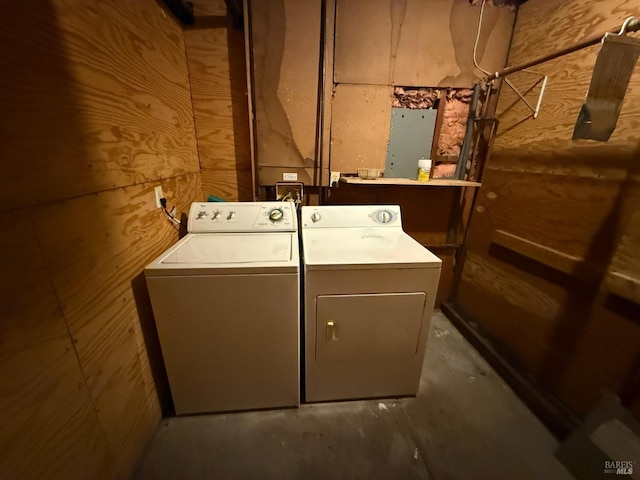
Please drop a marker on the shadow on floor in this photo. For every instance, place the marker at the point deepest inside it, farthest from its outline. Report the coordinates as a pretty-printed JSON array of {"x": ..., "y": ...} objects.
[{"x": 465, "y": 423}]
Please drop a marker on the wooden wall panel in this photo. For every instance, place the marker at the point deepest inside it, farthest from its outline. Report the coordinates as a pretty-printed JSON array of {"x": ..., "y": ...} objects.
[
  {"x": 623, "y": 277},
  {"x": 209, "y": 54},
  {"x": 96, "y": 112},
  {"x": 406, "y": 43},
  {"x": 216, "y": 8},
  {"x": 573, "y": 198},
  {"x": 230, "y": 185},
  {"x": 445, "y": 285},
  {"x": 395, "y": 42},
  {"x": 530, "y": 206},
  {"x": 92, "y": 271},
  {"x": 217, "y": 73},
  {"x": 308, "y": 176},
  {"x": 361, "y": 116},
  {"x": 417, "y": 42},
  {"x": 572, "y": 347},
  {"x": 569, "y": 78},
  {"x": 363, "y": 49},
  {"x": 49, "y": 423},
  {"x": 115, "y": 68},
  {"x": 285, "y": 36}
]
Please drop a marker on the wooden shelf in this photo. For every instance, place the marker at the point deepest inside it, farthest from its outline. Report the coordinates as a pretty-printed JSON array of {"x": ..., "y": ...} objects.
[{"x": 437, "y": 182}]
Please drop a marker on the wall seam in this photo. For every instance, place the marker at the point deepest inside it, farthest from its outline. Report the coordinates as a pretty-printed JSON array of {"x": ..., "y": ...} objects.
[
  {"x": 80, "y": 195},
  {"x": 111, "y": 453},
  {"x": 193, "y": 112}
]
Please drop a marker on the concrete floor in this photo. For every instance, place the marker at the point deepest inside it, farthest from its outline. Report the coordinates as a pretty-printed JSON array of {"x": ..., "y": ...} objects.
[{"x": 465, "y": 423}]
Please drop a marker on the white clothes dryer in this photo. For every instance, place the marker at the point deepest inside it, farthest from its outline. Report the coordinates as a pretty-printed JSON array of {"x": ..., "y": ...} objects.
[{"x": 369, "y": 295}]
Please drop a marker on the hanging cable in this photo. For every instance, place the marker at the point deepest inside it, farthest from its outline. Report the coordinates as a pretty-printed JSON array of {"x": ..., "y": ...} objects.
[
  {"x": 625, "y": 25},
  {"x": 475, "y": 45},
  {"x": 513, "y": 87},
  {"x": 170, "y": 216}
]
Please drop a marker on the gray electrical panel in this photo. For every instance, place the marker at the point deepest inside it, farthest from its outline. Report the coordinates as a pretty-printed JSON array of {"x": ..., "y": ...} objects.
[{"x": 410, "y": 138}]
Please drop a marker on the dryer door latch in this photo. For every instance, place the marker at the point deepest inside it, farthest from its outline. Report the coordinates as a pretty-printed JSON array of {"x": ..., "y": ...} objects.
[{"x": 332, "y": 331}]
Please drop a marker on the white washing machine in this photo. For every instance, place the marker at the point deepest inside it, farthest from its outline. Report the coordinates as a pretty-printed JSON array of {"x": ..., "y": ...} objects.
[
  {"x": 226, "y": 301},
  {"x": 369, "y": 295}
]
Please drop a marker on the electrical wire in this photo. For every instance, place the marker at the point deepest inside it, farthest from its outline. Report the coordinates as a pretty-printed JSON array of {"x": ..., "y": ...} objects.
[
  {"x": 174, "y": 226},
  {"x": 623, "y": 29},
  {"x": 170, "y": 216},
  {"x": 289, "y": 198},
  {"x": 475, "y": 45}
]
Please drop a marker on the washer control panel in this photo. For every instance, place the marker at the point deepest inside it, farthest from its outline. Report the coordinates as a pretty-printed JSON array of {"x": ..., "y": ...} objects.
[
  {"x": 345, "y": 216},
  {"x": 242, "y": 217}
]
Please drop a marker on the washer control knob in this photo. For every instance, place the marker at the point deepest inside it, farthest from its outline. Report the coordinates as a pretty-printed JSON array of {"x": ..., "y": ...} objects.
[
  {"x": 231, "y": 215},
  {"x": 385, "y": 216},
  {"x": 201, "y": 214},
  {"x": 216, "y": 215},
  {"x": 276, "y": 215},
  {"x": 315, "y": 217}
]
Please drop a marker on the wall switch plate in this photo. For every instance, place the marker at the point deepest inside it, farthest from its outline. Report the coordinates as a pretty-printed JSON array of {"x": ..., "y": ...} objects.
[
  {"x": 159, "y": 195},
  {"x": 334, "y": 179}
]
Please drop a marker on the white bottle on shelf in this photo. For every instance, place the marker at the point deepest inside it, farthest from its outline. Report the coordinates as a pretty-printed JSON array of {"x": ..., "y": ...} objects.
[{"x": 424, "y": 169}]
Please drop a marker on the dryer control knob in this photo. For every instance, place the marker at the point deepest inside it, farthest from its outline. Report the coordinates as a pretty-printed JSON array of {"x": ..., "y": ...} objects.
[
  {"x": 315, "y": 217},
  {"x": 385, "y": 216},
  {"x": 276, "y": 215}
]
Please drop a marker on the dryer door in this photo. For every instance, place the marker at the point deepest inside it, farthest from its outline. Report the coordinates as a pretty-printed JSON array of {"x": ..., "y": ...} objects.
[{"x": 368, "y": 326}]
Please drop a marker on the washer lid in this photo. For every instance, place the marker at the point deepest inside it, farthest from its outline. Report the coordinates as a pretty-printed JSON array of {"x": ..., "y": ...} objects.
[
  {"x": 364, "y": 248},
  {"x": 222, "y": 249},
  {"x": 202, "y": 253}
]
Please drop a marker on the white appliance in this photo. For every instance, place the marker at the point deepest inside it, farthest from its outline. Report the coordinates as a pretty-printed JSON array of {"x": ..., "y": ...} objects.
[
  {"x": 226, "y": 301},
  {"x": 369, "y": 295}
]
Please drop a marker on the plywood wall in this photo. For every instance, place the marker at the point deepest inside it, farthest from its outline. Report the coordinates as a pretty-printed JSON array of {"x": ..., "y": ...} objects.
[
  {"x": 285, "y": 54},
  {"x": 403, "y": 43},
  {"x": 217, "y": 71},
  {"x": 417, "y": 42},
  {"x": 96, "y": 112},
  {"x": 548, "y": 230},
  {"x": 371, "y": 46},
  {"x": 361, "y": 116}
]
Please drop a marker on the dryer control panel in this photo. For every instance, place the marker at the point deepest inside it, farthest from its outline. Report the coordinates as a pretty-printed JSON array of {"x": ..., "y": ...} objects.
[
  {"x": 351, "y": 216},
  {"x": 210, "y": 217}
]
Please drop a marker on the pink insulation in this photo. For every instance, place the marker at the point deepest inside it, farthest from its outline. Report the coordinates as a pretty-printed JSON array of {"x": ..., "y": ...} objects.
[
  {"x": 454, "y": 121},
  {"x": 512, "y": 4},
  {"x": 444, "y": 170},
  {"x": 455, "y": 104},
  {"x": 414, "y": 98}
]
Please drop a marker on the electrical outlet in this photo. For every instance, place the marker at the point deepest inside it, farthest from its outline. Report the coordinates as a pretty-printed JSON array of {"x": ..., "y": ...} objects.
[
  {"x": 334, "y": 179},
  {"x": 159, "y": 195}
]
